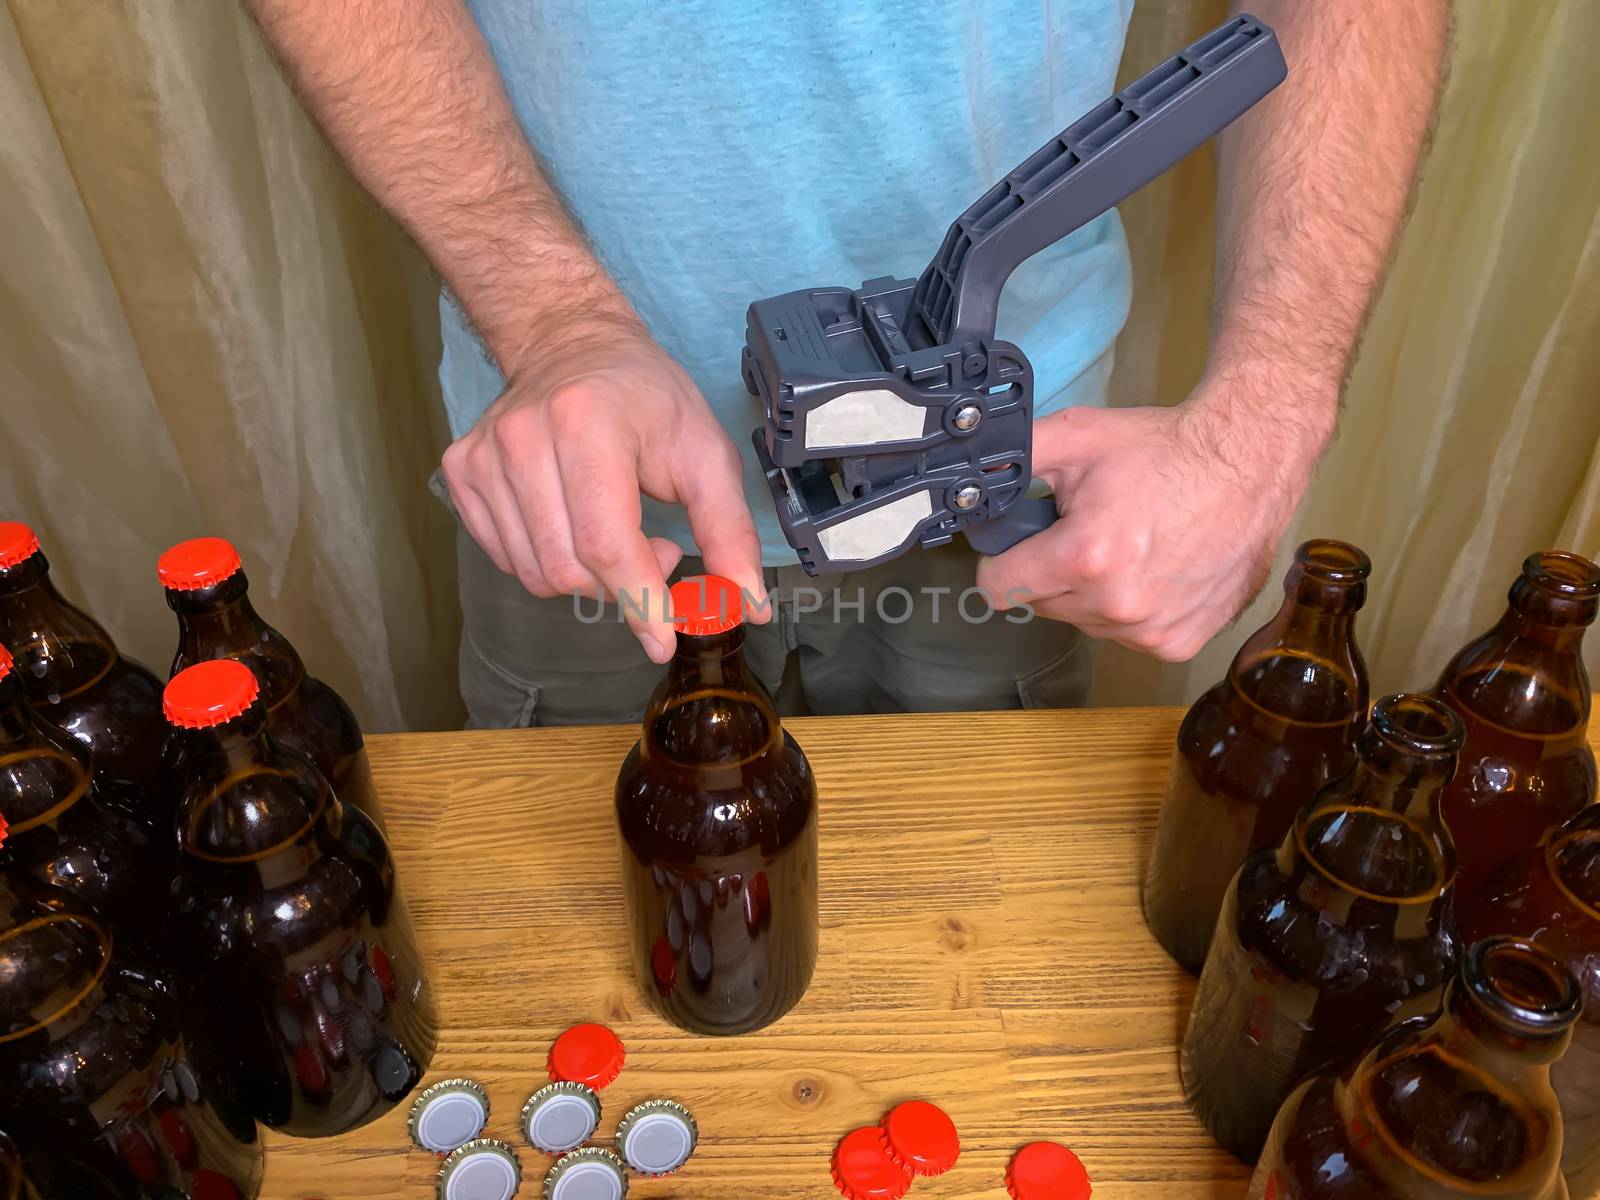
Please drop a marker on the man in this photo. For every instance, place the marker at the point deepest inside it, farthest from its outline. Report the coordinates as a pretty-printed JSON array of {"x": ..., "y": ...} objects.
[{"x": 712, "y": 152}]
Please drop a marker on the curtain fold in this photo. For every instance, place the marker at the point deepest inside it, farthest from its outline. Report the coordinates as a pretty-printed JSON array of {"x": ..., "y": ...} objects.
[{"x": 206, "y": 327}]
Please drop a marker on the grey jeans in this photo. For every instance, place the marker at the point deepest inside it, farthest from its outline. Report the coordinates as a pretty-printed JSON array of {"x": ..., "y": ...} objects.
[{"x": 908, "y": 636}]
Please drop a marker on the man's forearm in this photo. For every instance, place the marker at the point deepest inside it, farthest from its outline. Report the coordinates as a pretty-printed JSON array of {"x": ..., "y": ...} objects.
[
  {"x": 407, "y": 92},
  {"x": 1313, "y": 187}
]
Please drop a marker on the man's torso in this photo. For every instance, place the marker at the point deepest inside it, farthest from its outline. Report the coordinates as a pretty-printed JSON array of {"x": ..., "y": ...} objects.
[{"x": 719, "y": 151}]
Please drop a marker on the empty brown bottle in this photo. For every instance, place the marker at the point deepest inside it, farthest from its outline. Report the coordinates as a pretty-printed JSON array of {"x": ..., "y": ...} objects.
[
  {"x": 287, "y": 905},
  {"x": 98, "y": 1082},
  {"x": 57, "y": 827},
  {"x": 1456, "y": 1105},
  {"x": 1343, "y": 930},
  {"x": 717, "y": 814},
  {"x": 206, "y": 586},
  {"x": 74, "y": 675},
  {"x": 1257, "y": 746},
  {"x": 1523, "y": 693},
  {"x": 1550, "y": 895}
]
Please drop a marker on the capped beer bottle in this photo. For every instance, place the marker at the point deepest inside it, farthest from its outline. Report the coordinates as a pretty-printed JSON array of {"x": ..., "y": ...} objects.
[
  {"x": 1523, "y": 692},
  {"x": 1456, "y": 1105},
  {"x": 74, "y": 675},
  {"x": 1343, "y": 930},
  {"x": 206, "y": 586},
  {"x": 288, "y": 907},
  {"x": 717, "y": 815},
  {"x": 98, "y": 1082},
  {"x": 1257, "y": 746},
  {"x": 1550, "y": 894},
  {"x": 56, "y": 826}
]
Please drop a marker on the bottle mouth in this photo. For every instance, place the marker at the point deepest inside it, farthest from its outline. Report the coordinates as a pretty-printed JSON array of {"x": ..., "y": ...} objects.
[
  {"x": 1418, "y": 725},
  {"x": 1562, "y": 573},
  {"x": 1521, "y": 986},
  {"x": 1333, "y": 561}
]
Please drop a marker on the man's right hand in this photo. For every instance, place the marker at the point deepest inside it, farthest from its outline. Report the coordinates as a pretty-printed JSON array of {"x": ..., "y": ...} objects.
[{"x": 548, "y": 481}]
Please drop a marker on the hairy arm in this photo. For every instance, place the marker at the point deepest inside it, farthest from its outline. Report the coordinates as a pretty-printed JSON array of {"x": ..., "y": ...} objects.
[
  {"x": 1312, "y": 189},
  {"x": 594, "y": 413},
  {"x": 1171, "y": 516},
  {"x": 408, "y": 94}
]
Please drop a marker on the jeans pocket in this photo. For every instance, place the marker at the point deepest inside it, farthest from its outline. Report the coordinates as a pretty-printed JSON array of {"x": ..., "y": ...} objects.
[
  {"x": 1063, "y": 682},
  {"x": 495, "y": 698}
]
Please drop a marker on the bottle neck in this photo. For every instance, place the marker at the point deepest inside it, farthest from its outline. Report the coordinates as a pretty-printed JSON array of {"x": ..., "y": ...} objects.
[
  {"x": 245, "y": 799},
  {"x": 58, "y": 647},
  {"x": 220, "y": 622},
  {"x": 714, "y": 662},
  {"x": 1524, "y": 626}
]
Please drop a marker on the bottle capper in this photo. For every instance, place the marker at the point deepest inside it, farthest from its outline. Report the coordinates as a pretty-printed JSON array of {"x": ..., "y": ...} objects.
[{"x": 894, "y": 416}]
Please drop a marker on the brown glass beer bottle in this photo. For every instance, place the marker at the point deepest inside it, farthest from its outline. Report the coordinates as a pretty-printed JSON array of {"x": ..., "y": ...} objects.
[
  {"x": 1257, "y": 746},
  {"x": 56, "y": 826},
  {"x": 1458, "y": 1105},
  {"x": 1343, "y": 930},
  {"x": 287, "y": 904},
  {"x": 717, "y": 815},
  {"x": 74, "y": 675},
  {"x": 1523, "y": 693},
  {"x": 206, "y": 586},
  {"x": 98, "y": 1084},
  {"x": 1550, "y": 894}
]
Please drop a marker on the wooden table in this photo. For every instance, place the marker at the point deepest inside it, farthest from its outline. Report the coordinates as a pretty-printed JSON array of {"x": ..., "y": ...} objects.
[{"x": 982, "y": 947}]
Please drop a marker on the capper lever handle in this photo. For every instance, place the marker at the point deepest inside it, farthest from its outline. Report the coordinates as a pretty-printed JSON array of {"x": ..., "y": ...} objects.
[{"x": 1098, "y": 161}]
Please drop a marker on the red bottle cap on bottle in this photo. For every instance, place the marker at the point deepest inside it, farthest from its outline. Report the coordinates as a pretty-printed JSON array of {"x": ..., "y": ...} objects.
[
  {"x": 198, "y": 563},
  {"x": 18, "y": 543},
  {"x": 1047, "y": 1171},
  {"x": 920, "y": 1137},
  {"x": 863, "y": 1170},
  {"x": 3, "y": 829},
  {"x": 210, "y": 693},
  {"x": 706, "y": 604},
  {"x": 587, "y": 1054},
  {"x": 5, "y": 662}
]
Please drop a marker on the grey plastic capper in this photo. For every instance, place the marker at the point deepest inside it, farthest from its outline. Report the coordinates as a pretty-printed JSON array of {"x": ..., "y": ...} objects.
[{"x": 894, "y": 416}]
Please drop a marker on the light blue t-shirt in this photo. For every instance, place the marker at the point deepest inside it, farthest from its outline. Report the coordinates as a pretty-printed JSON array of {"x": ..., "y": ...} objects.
[{"x": 719, "y": 151}]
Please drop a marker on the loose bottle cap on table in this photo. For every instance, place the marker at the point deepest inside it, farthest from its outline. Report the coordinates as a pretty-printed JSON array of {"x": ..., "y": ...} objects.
[
  {"x": 210, "y": 693},
  {"x": 18, "y": 543},
  {"x": 588, "y": 1174},
  {"x": 560, "y": 1117},
  {"x": 863, "y": 1170},
  {"x": 448, "y": 1115},
  {"x": 198, "y": 563},
  {"x": 657, "y": 1137},
  {"x": 921, "y": 1137},
  {"x": 484, "y": 1169},
  {"x": 1046, "y": 1171},
  {"x": 706, "y": 604},
  {"x": 587, "y": 1054}
]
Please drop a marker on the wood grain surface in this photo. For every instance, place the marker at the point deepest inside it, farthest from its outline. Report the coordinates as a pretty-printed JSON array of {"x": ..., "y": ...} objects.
[{"x": 982, "y": 948}]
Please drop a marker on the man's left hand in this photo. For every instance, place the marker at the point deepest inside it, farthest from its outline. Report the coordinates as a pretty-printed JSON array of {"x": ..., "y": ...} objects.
[{"x": 1170, "y": 517}]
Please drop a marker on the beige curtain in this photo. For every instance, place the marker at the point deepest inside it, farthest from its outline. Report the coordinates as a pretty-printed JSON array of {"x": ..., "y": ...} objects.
[
  {"x": 1471, "y": 426},
  {"x": 205, "y": 327}
]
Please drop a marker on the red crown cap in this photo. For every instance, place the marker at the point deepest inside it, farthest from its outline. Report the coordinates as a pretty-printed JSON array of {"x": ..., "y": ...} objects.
[
  {"x": 706, "y": 604},
  {"x": 210, "y": 693},
  {"x": 18, "y": 543},
  {"x": 1047, "y": 1171},
  {"x": 586, "y": 1054},
  {"x": 197, "y": 563}
]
